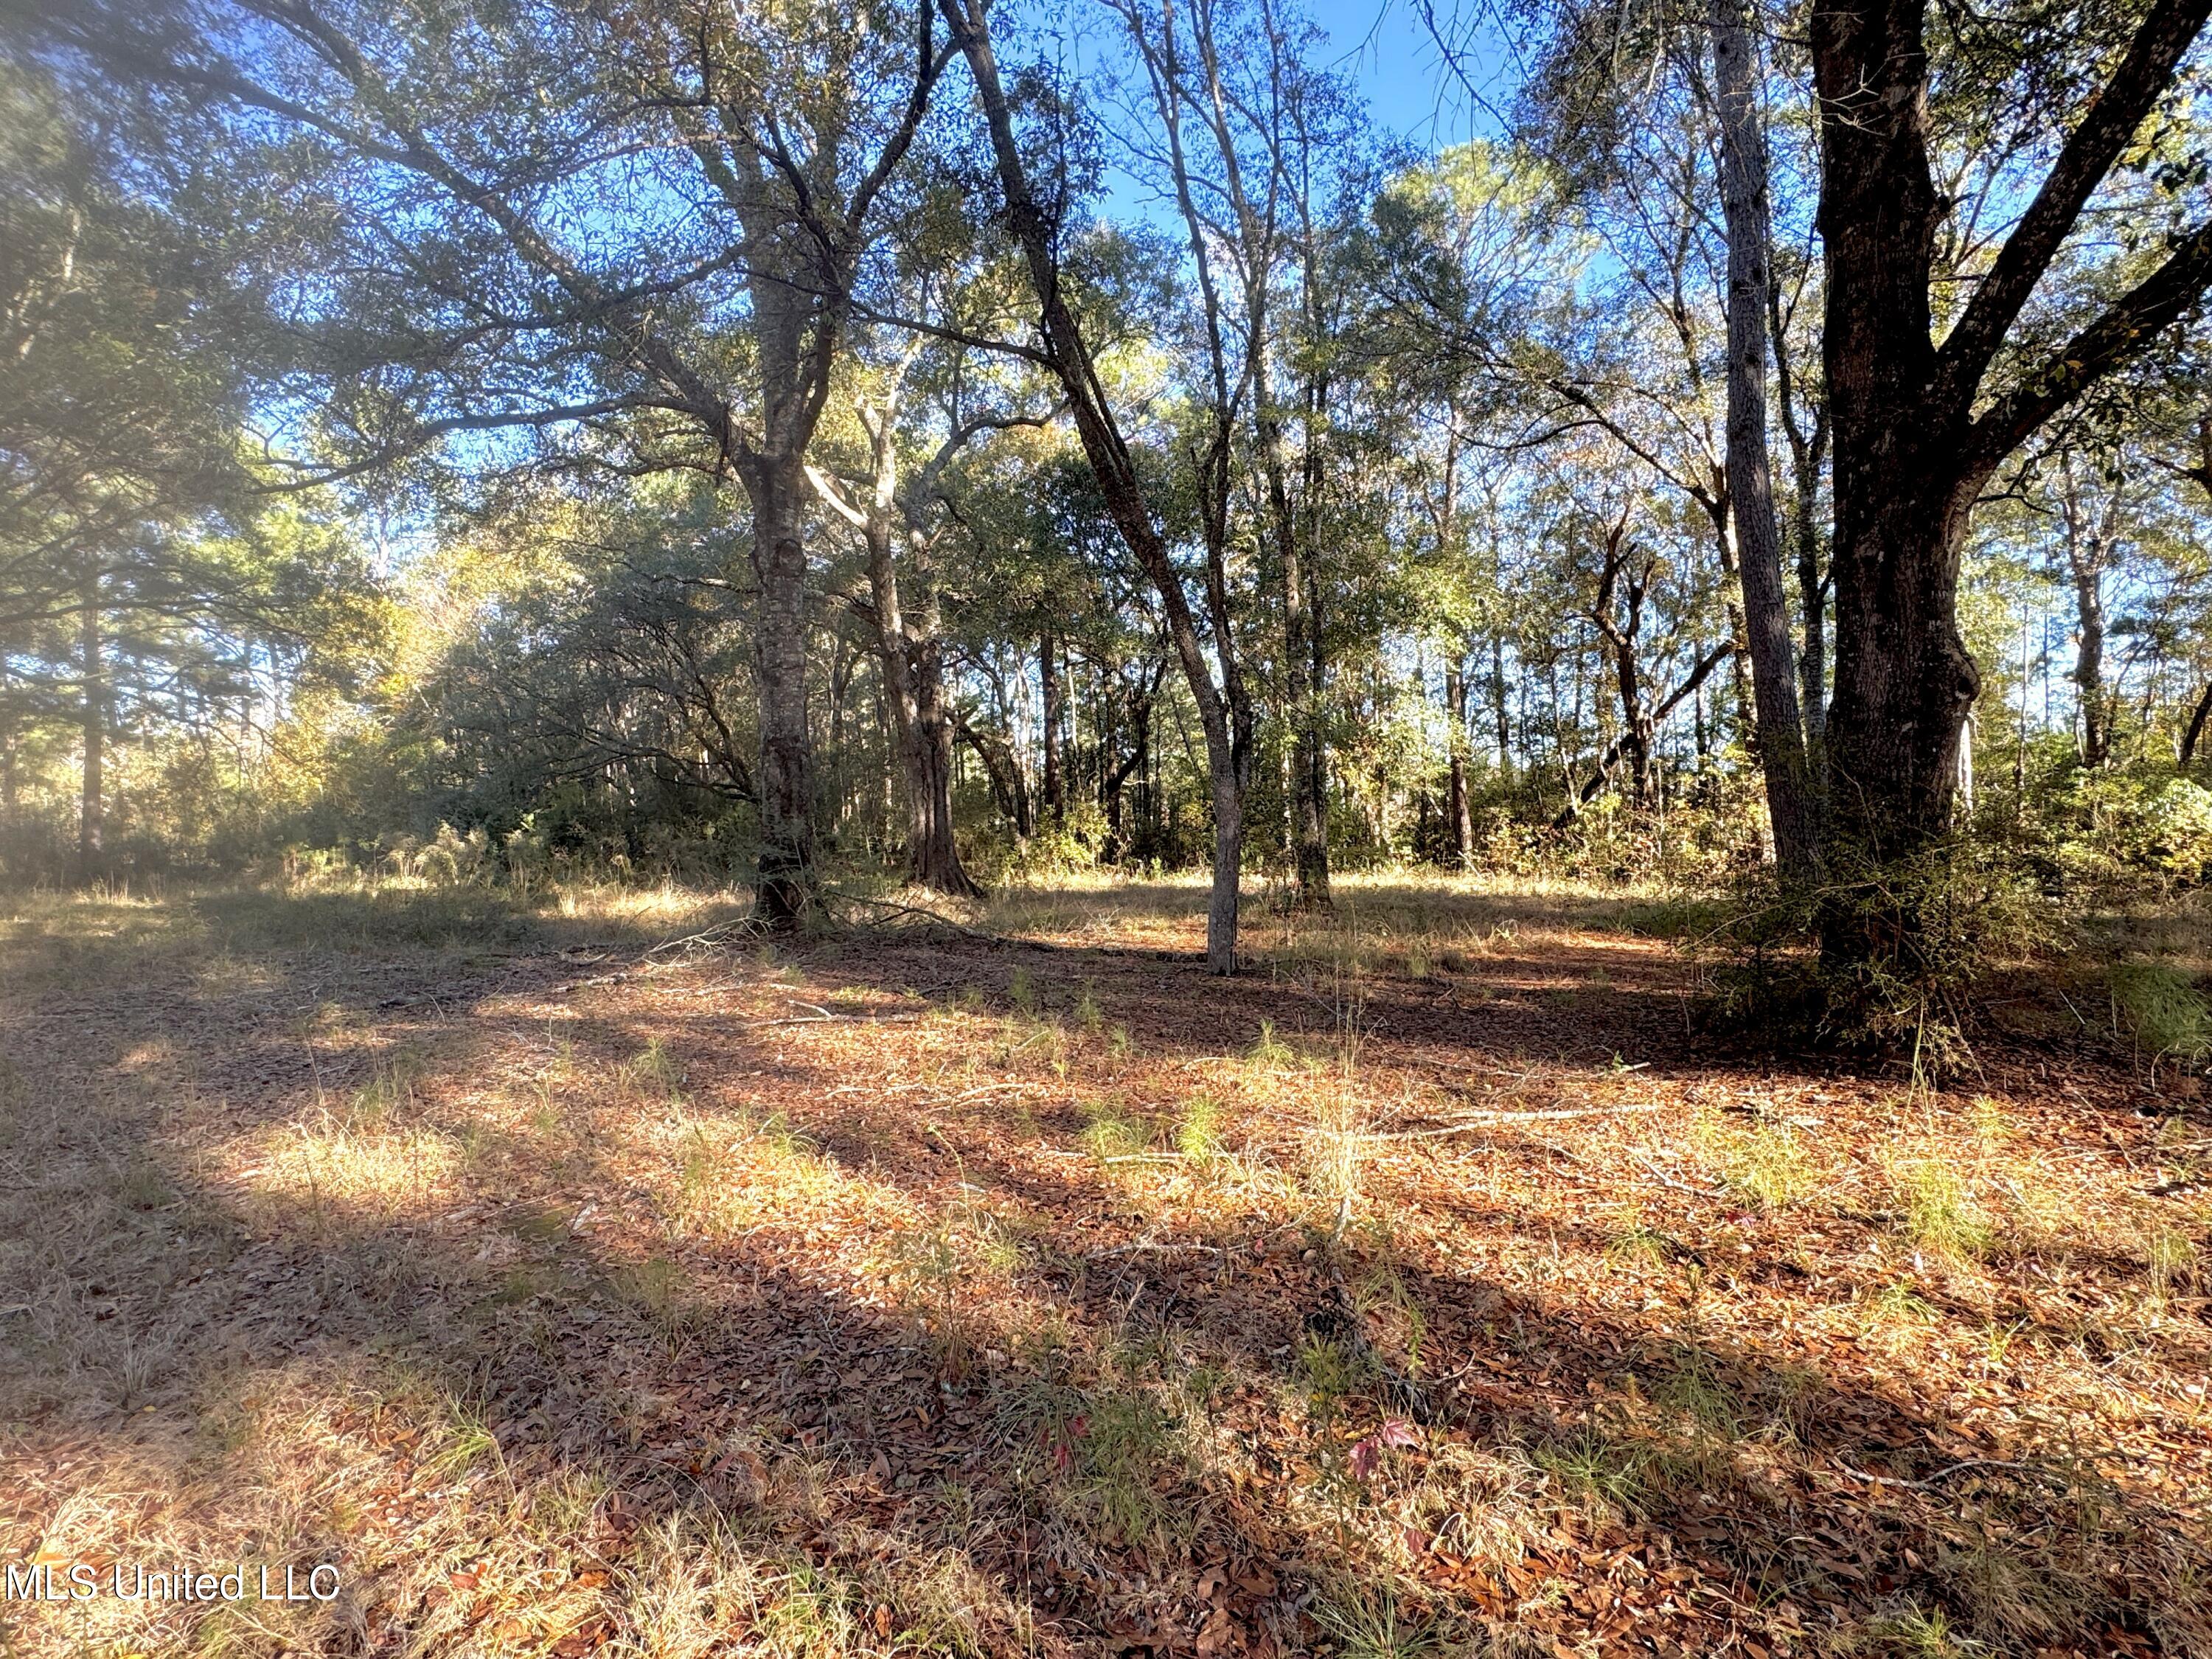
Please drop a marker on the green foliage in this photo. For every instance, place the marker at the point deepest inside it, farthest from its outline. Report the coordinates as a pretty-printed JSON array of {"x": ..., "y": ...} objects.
[
  {"x": 2112, "y": 833},
  {"x": 2159, "y": 1005},
  {"x": 1883, "y": 959}
]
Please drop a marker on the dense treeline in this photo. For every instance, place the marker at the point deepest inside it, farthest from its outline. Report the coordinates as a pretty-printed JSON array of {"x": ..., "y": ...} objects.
[{"x": 762, "y": 444}]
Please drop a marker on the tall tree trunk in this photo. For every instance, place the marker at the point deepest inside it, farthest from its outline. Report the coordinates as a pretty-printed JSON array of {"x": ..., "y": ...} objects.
[
  {"x": 8, "y": 763},
  {"x": 1750, "y": 489},
  {"x": 1008, "y": 787},
  {"x": 2089, "y": 538},
  {"x": 2196, "y": 719},
  {"x": 2089, "y": 668},
  {"x": 786, "y": 891},
  {"x": 1807, "y": 450},
  {"x": 1462, "y": 822},
  {"x": 1055, "y": 707},
  {"x": 911, "y": 653},
  {"x": 1499, "y": 711},
  {"x": 932, "y": 853},
  {"x": 1812, "y": 613},
  {"x": 1967, "y": 768},
  {"x": 1903, "y": 680},
  {"x": 1308, "y": 822},
  {"x": 1621, "y": 570},
  {"x": 1912, "y": 448},
  {"x": 1223, "y": 714},
  {"x": 91, "y": 807},
  {"x": 914, "y": 677}
]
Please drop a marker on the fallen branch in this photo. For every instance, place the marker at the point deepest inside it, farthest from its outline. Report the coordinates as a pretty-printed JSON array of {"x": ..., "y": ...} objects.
[
  {"x": 892, "y": 911},
  {"x": 569, "y": 985},
  {"x": 2180, "y": 1184},
  {"x": 1928, "y": 1483},
  {"x": 1666, "y": 1180},
  {"x": 824, "y": 1017},
  {"x": 1491, "y": 1120}
]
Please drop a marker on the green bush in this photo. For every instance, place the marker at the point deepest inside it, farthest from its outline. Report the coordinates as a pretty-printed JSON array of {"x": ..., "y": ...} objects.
[
  {"x": 1882, "y": 959},
  {"x": 2159, "y": 1005}
]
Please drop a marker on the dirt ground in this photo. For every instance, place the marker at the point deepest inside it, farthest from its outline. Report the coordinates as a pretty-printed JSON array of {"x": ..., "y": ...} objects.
[{"x": 580, "y": 1275}]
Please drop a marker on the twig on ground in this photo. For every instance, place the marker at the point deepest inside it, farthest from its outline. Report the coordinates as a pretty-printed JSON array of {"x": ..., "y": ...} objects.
[
  {"x": 892, "y": 911},
  {"x": 1680, "y": 1186},
  {"x": 1927, "y": 1483},
  {"x": 1491, "y": 1120}
]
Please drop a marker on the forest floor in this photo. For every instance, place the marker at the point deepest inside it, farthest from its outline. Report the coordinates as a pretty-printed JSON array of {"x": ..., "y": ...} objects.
[{"x": 580, "y": 1275}]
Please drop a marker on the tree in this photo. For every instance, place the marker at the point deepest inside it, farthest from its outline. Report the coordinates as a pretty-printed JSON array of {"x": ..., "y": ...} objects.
[
  {"x": 1921, "y": 424},
  {"x": 1743, "y": 193},
  {"x": 1224, "y": 710},
  {"x": 764, "y": 174},
  {"x": 901, "y": 521}
]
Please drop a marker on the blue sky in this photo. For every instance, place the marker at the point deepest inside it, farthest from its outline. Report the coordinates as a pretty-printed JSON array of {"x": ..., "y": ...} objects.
[{"x": 1386, "y": 49}]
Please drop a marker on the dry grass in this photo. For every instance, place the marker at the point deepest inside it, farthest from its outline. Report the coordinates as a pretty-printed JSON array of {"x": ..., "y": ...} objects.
[{"x": 576, "y": 1275}]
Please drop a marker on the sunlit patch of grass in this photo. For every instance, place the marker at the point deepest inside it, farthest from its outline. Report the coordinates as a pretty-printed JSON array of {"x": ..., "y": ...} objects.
[
  {"x": 1088, "y": 1014},
  {"x": 1634, "y": 1243},
  {"x": 1197, "y": 1133},
  {"x": 1708, "y": 1411},
  {"x": 809, "y": 1612},
  {"x": 330, "y": 1170},
  {"x": 1765, "y": 1161},
  {"x": 1332, "y": 1373},
  {"x": 1336, "y": 1150},
  {"x": 1590, "y": 1468},
  {"x": 1110, "y": 1133},
  {"x": 2171, "y": 1257},
  {"x": 1269, "y": 1049},
  {"x": 1476, "y": 1502},
  {"x": 1940, "y": 1217},
  {"x": 1369, "y": 1621},
  {"x": 734, "y": 1174},
  {"x": 388, "y": 1095},
  {"x": 1920, "y": 1633},
  {"x": 1900, "y": 1303},
  {"x": 654, "y": 1070}
]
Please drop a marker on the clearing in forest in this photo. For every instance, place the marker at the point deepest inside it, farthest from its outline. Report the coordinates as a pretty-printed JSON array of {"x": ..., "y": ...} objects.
[{"x": 581, "y": 1274}]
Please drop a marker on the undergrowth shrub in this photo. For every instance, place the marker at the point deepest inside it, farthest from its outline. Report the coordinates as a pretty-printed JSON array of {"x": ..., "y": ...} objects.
[
  {"x": 1882, "y": 959},
  {"x": 2159, "y": 1005}
]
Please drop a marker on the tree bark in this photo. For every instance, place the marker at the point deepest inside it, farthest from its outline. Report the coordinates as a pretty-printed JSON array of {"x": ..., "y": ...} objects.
[
  {"x": 932, "y": 853},
  {"x": 1911, "y": 451},
  {"x": 91, "y": 807},
  {"x": 910, "y": 651},
  {"x": 1499, "y": 711},
  {"x": 1462, "y": 821},
  {"x": 1578, "y": 798},
  {"x": 1056, "y": 708},
  {"x": 2196, "y": 719},
  {"x": 8, "y": 755},
  {"x": 1309, "y": 821},
  {"x": 2089, "y": 668},
  {"x": 1008, "y": 787},
  {"x": 1639, "y": 724},
  {"x": 1751, "y": 490},
  {"x": 1808, "y": 449},
  {"x": 914, "y": 677},
  {"x": 785, "y": 889},
  {"x": 2088, "y": 550}
]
